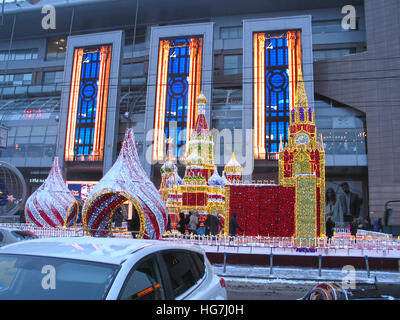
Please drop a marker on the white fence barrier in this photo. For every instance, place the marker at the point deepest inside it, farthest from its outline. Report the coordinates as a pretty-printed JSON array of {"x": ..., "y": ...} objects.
[{"x": 349, "y": 243}]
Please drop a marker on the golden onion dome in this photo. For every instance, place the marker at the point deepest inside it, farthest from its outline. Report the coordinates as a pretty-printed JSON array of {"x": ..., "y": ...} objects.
[
  {"x": 233, "y": 166},
  {"x": 201, "y": 98}
]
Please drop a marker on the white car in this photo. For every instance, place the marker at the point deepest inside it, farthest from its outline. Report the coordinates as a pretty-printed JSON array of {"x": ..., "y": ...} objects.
[{"x": 93, "y": 268}]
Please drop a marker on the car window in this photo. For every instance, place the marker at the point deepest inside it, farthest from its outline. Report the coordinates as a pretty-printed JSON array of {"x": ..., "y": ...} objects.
[
  {"x": 46, "y": 278},
  {"x": 1, "y": 236},
  {"x": 144, "y": 283},
  {"x": 181, "y": 269},
  {"x": 23, "y": 235},
  {"x": 199, "y": 261}
]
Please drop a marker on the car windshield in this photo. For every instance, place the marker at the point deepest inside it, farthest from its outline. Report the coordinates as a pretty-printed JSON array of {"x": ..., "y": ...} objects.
[{"x": 24, "y": 277}]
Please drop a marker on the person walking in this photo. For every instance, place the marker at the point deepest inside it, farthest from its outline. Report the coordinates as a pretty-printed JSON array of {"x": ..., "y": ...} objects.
[
  {"x": 233, "y": 225},
  {"x": 354, "y": 227},
  {"x": 212, "y": 224},
  {"x": 207, "y": 224},
  {"x": 330, "y": 224},
  {"x": 181, "y": 226},
  {"x": 350, "y": 203},
  {"x": 215, "y": 224},
  {"x": 193, "y": 223},
  {"x": 118, "y": 218}
]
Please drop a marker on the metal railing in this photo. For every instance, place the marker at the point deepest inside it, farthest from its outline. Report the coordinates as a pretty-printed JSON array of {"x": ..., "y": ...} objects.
[
  {"x": 79, "y": 231},
  {"x": 288, "y": 243},
  {"x": 218, "y": 241}
]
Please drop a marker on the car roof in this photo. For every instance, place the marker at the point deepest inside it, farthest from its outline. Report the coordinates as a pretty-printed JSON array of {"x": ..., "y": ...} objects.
[{"x": 106, "y": 250}]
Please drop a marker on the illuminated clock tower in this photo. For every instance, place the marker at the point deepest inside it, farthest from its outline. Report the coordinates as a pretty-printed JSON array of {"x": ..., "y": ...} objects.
[{"x": 302, "y": 165}]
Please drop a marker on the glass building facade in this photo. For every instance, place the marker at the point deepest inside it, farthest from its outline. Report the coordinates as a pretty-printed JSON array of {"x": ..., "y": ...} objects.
[{"x": 31, "y": 93}]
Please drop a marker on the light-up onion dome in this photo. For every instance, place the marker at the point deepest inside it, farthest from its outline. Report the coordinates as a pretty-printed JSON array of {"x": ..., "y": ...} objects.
[
  {"x": 233, "y": 170},
  {"x": 201, "y": 99},
  {"x": 52, "y": 204},
  {"x": 224, "y": 179},
  {"x": 215, "y": 180},
  {"x": 174, "y": 180},
  {"x": 178, "y": 179},
  {"x": 167, "y": 167},
  {"x": 194, "y": 159},
  {"x": 126, "y": 180}
]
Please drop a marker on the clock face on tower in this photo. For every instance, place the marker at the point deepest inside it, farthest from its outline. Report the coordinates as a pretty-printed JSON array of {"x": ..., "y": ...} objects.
[{"x": 302, "y": 139}]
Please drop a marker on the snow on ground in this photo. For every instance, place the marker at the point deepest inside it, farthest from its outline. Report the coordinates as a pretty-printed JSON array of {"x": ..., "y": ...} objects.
[
  {"x": 299, "y": 275},
  {"x": 292, "y": 251}
]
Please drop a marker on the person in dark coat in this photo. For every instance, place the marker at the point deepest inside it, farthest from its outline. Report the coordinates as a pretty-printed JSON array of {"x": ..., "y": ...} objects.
[
  {"x": 354, "y": 227},
  {"x": 380, "y": 225},
  {"x": 134, "y": 224},
  {"x": 330, "y": 224},
  {"x": 168, "y": 226},
  {"x": 207, "y": 224},
  {"x": 350, "y": 202},
  {"x": 213, "y": 224},
  {"x": 118, "y": 218},
  {"x": 233, "y": 225},
  {"x": 181, "y": 226}
]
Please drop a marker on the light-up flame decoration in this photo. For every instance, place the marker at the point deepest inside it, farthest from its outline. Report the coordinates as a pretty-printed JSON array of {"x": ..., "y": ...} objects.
[
  {"x": 126, "y": 180},
  {"x": 52, "y": 204}
]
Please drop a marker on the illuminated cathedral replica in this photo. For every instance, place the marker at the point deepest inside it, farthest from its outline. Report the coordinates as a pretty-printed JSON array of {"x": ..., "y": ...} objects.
[{"x": 294, "y": 208}]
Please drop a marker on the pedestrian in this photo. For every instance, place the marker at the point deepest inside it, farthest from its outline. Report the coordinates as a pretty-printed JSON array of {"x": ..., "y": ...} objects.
[
  {"x": 380, "y": 225},
  {"x": 233, "y": 225},
  {"x": 188, "y": 218},
  {"x": 330, "y": 224},
  {"x": 366, "y": 224},
  {"x": 375, "y": 226},
  {"x": 181, "y": 226},
  {"x": 207, "y": 224},
  {"x": 168, "y": 227},
  {"x": 350, "y": 202},
  {"x": 193, "y": 223},
  {"x": 118, "y": 218},
  {"x": 215, "y": 224},
  {"x": 134, "y": 224},
  {"x": 354, "y": 227}
]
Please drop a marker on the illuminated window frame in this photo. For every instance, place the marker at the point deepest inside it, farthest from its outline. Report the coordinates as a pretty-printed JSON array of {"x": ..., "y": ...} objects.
[
  {"x": 98, "y": 134},
  {"x": 163, "y": 88},
  {"x": 260, "y": 90}
]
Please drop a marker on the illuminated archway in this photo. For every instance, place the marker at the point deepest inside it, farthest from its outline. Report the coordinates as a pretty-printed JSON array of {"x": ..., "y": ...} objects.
[{"x": 126, "y": 180}]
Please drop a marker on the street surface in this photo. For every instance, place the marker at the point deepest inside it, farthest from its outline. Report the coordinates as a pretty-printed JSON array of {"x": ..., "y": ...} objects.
[{"x": 257, "y": 283}]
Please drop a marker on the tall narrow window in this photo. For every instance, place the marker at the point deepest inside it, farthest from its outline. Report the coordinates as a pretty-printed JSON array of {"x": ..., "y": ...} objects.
[
  {"x": 88, "y": 104},
  {"x": 178, "y": 85},
  {"x": 277, "y": 57}
]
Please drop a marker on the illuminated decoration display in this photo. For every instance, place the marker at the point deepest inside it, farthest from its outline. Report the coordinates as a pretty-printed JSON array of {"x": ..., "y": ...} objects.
[
  {"x": 302, "y": 165},
  {"x": 52, "y": 204},
  {"x": 126, "y": 180},
  {"x": 294, "y": 208},
  {"x": 178, "y": 85},
  {"x": 262, "y": 210},
  {"x": 88, "y": 104},
  {"x": 170, "y": 181},
  {"x": 233, "y": 170},
  {"x": 276, "y": 61},
  {"x": 202, "y": 188}
]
